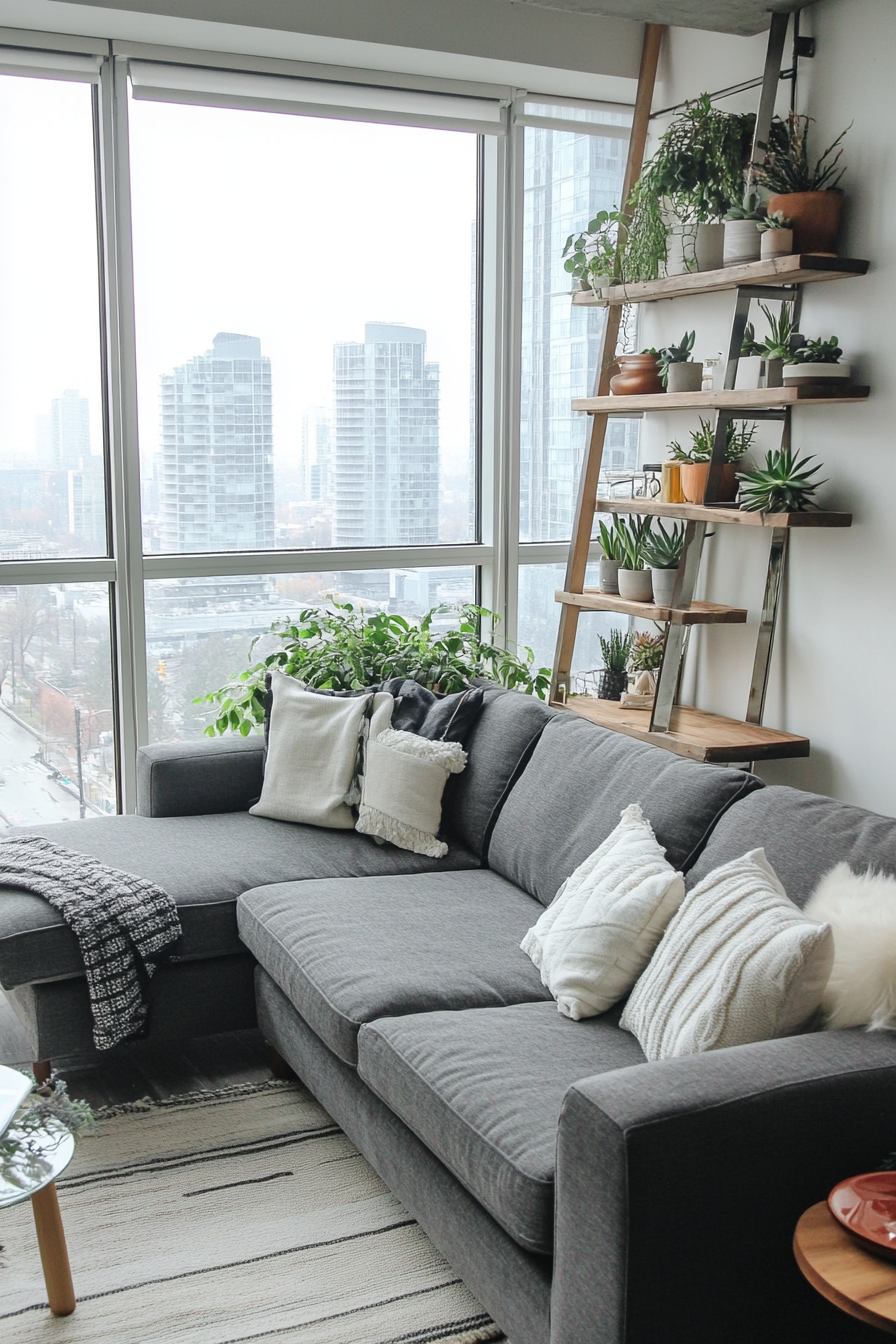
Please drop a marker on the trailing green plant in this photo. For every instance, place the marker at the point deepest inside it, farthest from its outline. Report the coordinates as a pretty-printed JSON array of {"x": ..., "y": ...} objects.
[
  {"x": 786, "y": 168},
  {"x": 612, "y": 540},
  {"x": 696, "y": 174},
  {"x": 817, "y": 352},
  {"x": 597, "y": 249},
  {"x": 749, "y": 345},
  {"x": 783, "y": 485},
  {"x": 616, "y": 649},
  {"x": 750, "y": 208},
  {"x": 47, "y": 1107},
  {"x": 737, "y": 442},
  {"x": 673, "y": 354},
  {"x": 662, "y": 549},
  {"x": 776, "y": 220},
  {"x": 647, "y": 652},
  {"x": 340, "y": 649},
  {"x": 783, "y": 337},
  {"x": 633, "y": 533}
]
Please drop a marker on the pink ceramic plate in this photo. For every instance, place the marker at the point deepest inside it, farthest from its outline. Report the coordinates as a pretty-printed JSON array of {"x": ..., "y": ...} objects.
[{"x": 866, "y": 1207}]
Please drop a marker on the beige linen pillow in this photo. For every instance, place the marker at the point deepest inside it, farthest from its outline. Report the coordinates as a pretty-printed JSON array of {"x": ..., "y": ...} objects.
[
  {"x": 601, "y": 929},
  {"x": 313, "y": 750},
  {"x": 401, "y": 793},
  {"x": 861, "y": 910},
  {"x": 738, "y": 963}
]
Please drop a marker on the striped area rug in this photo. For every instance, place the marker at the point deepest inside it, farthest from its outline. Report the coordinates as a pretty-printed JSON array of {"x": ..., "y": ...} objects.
[{"x": 227, "y": 1217}]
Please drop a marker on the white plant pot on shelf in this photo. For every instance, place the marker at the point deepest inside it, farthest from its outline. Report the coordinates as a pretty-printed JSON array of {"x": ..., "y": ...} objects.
[
  {"x": 742, "y": 241},
  {"x": 662, "y": 582},
  {"x": 710, "y": 246},
  {"x": 749, "y": 372},
  {"x": 809, "y": 375},
  {"x": 635, "y": 585},
  {"x": 775, "y": 243}
]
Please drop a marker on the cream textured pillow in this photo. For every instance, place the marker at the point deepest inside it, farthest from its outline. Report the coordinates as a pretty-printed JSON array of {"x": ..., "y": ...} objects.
[
  {"x": 738, "y": 963},
  {"x": 313, "y": 752},
  {"x": 601, "y": 929},
  {"x": 861, "y": 910},
  {"x": 401, "y": 794}
]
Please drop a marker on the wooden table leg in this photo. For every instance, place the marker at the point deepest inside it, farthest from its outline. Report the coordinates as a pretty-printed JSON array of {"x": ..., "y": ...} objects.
[{"x": 53, "y": 1251}]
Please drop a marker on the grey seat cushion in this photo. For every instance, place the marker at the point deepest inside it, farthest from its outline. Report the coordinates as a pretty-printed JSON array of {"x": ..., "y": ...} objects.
[
  {"x": 347, "y": 952},
  {"x": 580, "y": 777},
  {"x": 483, "y": 1090},
  {"x": 204, "y": 862},
  {"x": 804, "y": 835}
]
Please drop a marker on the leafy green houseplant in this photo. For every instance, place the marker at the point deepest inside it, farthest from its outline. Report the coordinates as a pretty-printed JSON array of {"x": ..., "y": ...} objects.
[
  {"x": 596, "y": 251},
  {"x": 634, "y": 576},
  {"x": 784, "y": 485},
  {"x": 818, "y": 352},
  {"x": 662, "y": 551},
  {"x": 749, "y": 345},
  {"x": 340, "y": 648},
  {"x": 805, "y": 191},
  {"x": 615, "y": 650},
  {"x": 647, "y": 652},
  {"x": 674, "y": 355},
  {"x": 815, "y": 363},
  {"x": 612, "y": 543},
  {"x": 696, "y": 459},
  {"x": 778, "y": 220},
  {"x": 742, "y": 238}
]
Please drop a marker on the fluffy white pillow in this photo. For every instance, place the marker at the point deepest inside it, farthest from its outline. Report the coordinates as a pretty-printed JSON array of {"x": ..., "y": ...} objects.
[
  {"x": 602, "y": 927},
  {"x": 401, "y": 795},
  {"x": 861, "y": 910},
  {"x": 738, "y": 963},
  {"x": 313, "y": 752}
]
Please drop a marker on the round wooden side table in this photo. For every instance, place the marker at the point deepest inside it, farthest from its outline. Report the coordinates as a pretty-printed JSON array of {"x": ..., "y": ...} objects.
[{"x": 862, "y": 1284}]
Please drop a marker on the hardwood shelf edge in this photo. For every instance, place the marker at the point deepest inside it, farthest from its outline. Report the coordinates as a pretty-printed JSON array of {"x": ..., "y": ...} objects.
[
  {"x": 738, "y": 517},
  {"x": 797, "y": 269},
  {"x": 728, "y": 399},
  {"x": 699, "y": 613}
]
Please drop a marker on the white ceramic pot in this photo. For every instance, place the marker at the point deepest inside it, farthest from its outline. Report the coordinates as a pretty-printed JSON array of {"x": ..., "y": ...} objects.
[
  {"x": 686, "y": 377},
  {"x": 681, "y": 249},
  {"x": 709, "y": 247},
  {"x": 775, "y": 243},
  {"x": 609, "y": 572},
  {"x": 807, "y": 375},
  {"x": 742, "y": 241},
  {"x": 749, "y": 372},
  {"x": 663, "y": 581},
  {"x": 774, "y": 373},
  {"x": 635, "y": 585}
]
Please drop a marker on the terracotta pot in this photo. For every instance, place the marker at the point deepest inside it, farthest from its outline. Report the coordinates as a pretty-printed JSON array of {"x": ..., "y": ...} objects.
[
  {"x": 638, "y": 375},
  {"x": 694, "y": 476},
  {"x": 815, "y": 216}
]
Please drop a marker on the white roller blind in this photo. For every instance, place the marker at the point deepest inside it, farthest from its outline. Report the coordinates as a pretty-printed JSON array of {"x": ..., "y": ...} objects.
[
  {"x": 314, "y": 98},
  {"x": 49, "y": 65}
]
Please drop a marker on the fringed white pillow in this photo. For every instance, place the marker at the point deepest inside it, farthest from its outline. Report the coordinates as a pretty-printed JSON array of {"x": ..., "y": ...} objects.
[
  {"x": 401, "y": 793},
  {"x": 861, "y": 910},
  {"x": 601, "y": 929}
]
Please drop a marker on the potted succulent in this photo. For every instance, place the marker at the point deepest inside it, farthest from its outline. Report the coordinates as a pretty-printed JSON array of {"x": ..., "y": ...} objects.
[
  {"x": 614, "y": 674},
  {"x": 593, "y": 257},
  {"x": 696, "y": 459},
  {"x": 782, "y": 341},
  {"x": 639, "y": 375},
  {"x": 815, "y": 364},
  {"x": 742, "y": 237},
  {"x": 783, "y": 485},
  {"x": 678, "y": 370},
  {"x": 776, "y": 236},
  {"x": 751, "y": 361},
  {"x": 644, "y": 661},
  {"x": 662, "y": 551},
  {"x": 611, "y": 542},
  {"x": 634, "y": 576},
  {"x": 809, "y": 196},
  {"x": 696, "y": 174}
]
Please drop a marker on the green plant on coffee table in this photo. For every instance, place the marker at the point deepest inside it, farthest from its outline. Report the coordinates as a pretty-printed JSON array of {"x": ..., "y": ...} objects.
[
  {"x": 786, "y": 168},
  {"x": 749, "y": 345},
  {"x": 597, "y": 249},
  {"x": 673, "y": 354},
  {"x": 737, "y": 442},
  {"x": 647, "y": 652},
  {"x": 750, "y": 209},
  {"x": 783, "y": 485},
  {"x": 783, "y": 337},
  {"x": 776, "y": 220},
  {"x": 817, "y": 352},
  {"x": 340, "y": 648},
  {"x": 633, "y": 533},
  {"x": 616, "y": 649},
  {"x": 662, "y": 549}
]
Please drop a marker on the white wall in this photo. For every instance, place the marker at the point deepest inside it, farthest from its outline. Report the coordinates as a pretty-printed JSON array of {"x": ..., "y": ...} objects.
[{"x": 833, "y": 669}]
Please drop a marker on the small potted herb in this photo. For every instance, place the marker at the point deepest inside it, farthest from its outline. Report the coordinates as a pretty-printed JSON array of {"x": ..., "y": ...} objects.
[
  {"x": 662, "y": 551},
  {"x": 783, "y": 485},
  {"x": 776, "y": 236},
  {"x": 782, "y": 341},
  {"x": 634, "y": 576},
  {"x": 815, "y": 364},
  {"x": 810, "y": 196},
  {"x": 613, "y": 548},
  {"x": 742, "y": 237},
  {"x": 593, "y": 257},
  {"x": 678, "y": 370},
  {"x": 614, "y": 675},
  {"x": 644, "y": 661},
  {"x": 696, "y": 459}
]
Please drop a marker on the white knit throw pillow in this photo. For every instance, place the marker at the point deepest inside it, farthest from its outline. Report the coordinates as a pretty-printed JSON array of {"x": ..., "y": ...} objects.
[
  {"x": 738, "y": 963},
  {"x": 401, "y": 794},
  {"x": 861, "y": 910},
  {"x": 601, "y": 929}
]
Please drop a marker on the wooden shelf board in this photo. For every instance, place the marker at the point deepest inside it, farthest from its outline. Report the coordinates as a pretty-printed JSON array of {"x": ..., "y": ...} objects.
[
  {"x": 698, "y": 613},
  {"x": 754, "y": 398},
  {"x": 794, "y": 270},
  {"x": 707, "y": 514},
  {"x": 692, "y": 733}
]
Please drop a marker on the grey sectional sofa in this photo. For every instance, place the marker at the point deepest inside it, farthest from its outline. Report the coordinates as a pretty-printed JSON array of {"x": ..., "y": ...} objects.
[{"x": 582, "y": 1193}]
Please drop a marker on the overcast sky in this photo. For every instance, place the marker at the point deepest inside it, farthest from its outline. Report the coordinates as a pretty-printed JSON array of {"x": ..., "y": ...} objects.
[{"x": 293, "y": 229}]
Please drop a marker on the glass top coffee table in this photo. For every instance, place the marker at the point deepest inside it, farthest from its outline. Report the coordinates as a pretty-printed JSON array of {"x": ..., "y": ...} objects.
[{"x": 31, "y": 1174}]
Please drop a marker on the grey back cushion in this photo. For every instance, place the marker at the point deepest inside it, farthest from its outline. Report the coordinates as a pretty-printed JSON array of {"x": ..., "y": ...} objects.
[
  {"x": 804, "y": 836},
  {"x": 580, "y": 777},
  {"x": 497, "y": 749}
]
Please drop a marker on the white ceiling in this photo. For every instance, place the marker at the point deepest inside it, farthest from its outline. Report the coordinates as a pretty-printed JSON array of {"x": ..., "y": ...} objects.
[{"x": 744, "y": 17}]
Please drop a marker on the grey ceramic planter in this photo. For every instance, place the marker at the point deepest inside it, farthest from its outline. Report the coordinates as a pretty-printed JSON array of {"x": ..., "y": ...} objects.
[
  {"x": 663, "y": 581},
  {"x": 685, "y": 377},
  {"x": 609, "y": 571},
  {"x": 635, "y": 585}
]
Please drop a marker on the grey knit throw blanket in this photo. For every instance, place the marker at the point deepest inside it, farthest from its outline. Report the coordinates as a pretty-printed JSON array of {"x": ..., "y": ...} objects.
[{"x": 125, "y": 926}]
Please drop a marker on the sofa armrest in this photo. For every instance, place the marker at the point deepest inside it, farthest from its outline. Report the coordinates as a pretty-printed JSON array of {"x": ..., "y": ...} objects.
[
  {"x": 680, "y": 1183},
  {"x": 188, "y": 779}
]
